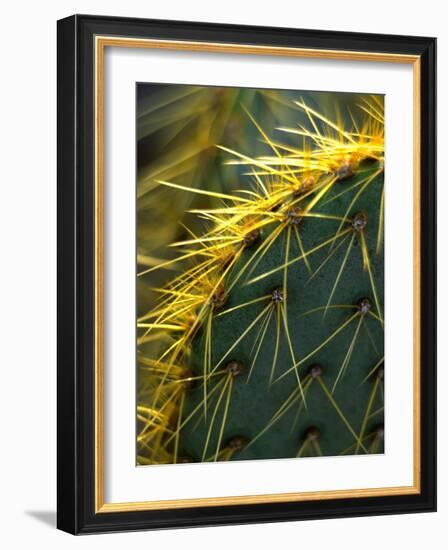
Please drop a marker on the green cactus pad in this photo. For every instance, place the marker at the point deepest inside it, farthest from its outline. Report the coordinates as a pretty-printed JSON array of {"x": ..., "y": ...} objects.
[{"x": 267, "y": 340}]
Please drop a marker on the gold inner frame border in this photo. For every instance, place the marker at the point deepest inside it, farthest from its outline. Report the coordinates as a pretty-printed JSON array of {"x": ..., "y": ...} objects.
[{"x": 100, "y": 44}]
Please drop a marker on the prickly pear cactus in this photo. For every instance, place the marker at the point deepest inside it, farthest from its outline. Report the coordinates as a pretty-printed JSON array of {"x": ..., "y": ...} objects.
[{"x": 267, "y": 339}]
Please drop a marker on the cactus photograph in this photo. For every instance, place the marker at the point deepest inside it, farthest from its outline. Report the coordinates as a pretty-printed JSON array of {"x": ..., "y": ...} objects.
[{"x": 259, "y": 274}]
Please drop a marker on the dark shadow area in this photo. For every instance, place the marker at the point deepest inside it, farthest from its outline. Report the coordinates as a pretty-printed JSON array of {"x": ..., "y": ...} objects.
[{"x": 44, "y": 516}]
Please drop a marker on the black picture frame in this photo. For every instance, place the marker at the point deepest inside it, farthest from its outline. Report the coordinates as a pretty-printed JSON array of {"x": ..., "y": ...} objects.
[{"x": 76, "y": 253}]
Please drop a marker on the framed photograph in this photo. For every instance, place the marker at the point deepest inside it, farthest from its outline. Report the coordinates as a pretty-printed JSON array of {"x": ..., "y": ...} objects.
[{"x": 246, "y": 274}]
